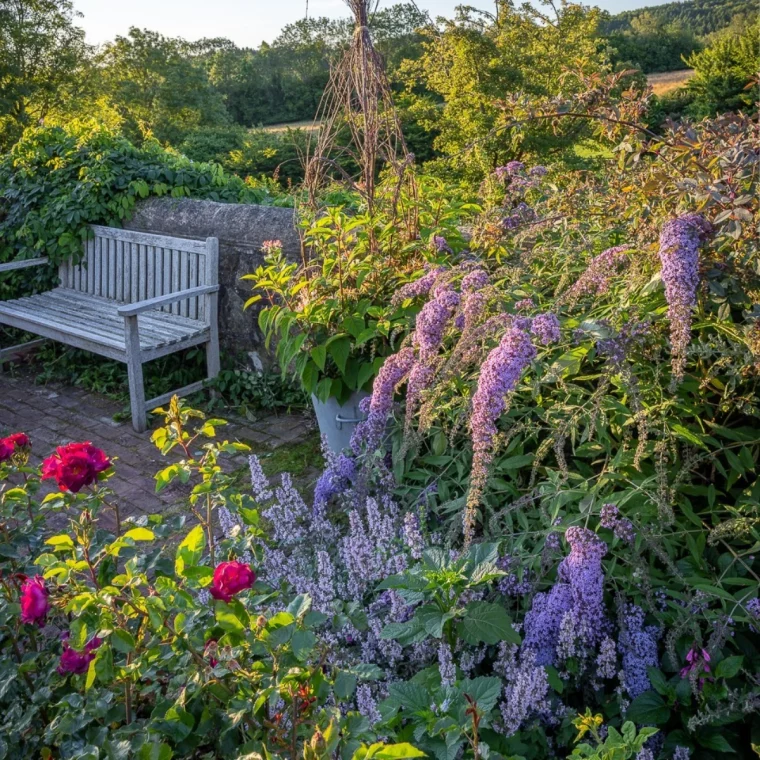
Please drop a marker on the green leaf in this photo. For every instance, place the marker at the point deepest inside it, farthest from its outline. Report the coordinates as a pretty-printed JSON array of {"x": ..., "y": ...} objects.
[
  {"x": 190, "y": 551},
  {"x": 227, "y": 617},
  {"x": 302, "y": 644},
  {"x": 319, "y": 355},
  {"x": 487, "y": 623},
  {"x": 648, "y": 707},
  {"x": 339, "y": 350},
  {"x": 484, "y": 690},
  {"x": 396, "y": 751},
  {"x": 729, "y": 667},
  {"x": 122, "y": 641},
  {"x": 139, "y": 534},
  {"x": 410, "y": 696},
  {"x": 433, "y": 620},
  {"x": 687, "y": 435},
  {"x": 345, "y": 685},
  {"x": 60, "y": 542},
  {"x": 78, "y": 634}
]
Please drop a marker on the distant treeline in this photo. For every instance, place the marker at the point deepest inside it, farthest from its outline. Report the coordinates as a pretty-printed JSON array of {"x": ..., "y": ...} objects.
[{"x": 700, "y": 17}]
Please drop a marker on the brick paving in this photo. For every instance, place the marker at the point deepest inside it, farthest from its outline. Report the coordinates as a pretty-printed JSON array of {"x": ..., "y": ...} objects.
[{"x": 55, "y": 414}]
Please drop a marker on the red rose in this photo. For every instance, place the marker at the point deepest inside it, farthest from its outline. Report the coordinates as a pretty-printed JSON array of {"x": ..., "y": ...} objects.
[
  {"x": 75, "y": 466},
  {"x": 230, "y": 578},
  {"x": 34, "y": 600},
  {"x": 77, "y": 662},
  {"x": 12, "y": 442}
]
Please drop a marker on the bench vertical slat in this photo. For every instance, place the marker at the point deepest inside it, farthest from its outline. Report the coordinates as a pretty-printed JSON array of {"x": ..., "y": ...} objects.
[
  {"x": 183, "y": 279},
  {"x": 175, "y": 277},
  {"x": 150, "y": 291},
  {"x": 91, "y": 267},
  {"x": 166, "y": 280},
  {"x": 112, "y": 263},
  {"x": 193, "y": 304}
]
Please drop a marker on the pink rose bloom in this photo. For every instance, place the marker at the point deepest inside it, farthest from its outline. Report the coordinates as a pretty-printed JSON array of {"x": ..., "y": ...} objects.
[
  {"x": 75, "y": 466},
  {"x": 77, "y": 662},
  {"x": 9, "y": 444},
  {"x": 230, "y": 578},
  {"x": 34, "y": 600}
]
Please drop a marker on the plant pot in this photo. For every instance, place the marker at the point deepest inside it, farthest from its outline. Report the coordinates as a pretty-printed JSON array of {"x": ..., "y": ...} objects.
[{"x": 338, "y": 421}]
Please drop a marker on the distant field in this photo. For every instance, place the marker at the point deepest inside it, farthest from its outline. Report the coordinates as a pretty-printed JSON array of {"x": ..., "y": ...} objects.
[
  {"x": 669, "y": 80},
  {"x": 307, "y": 125}
]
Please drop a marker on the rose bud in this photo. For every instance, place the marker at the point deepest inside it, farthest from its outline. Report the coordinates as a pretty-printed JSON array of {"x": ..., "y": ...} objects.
[{"x": 34, "y": 600}]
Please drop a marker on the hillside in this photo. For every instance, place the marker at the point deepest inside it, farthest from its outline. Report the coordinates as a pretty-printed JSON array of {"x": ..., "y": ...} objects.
[{"x": 701, "y": 17}]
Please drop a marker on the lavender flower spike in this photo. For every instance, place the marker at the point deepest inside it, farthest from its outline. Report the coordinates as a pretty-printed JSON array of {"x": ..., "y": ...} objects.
[
  {"x": 679, "y": 255},
  {"x": 498, "y": 377}
]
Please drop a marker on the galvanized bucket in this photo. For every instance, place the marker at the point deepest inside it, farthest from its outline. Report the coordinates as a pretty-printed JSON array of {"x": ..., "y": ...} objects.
[{"x": 337, "y": 422}]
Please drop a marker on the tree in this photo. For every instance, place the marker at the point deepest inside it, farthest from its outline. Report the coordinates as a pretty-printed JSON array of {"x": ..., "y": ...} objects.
[
  {"x": 724, "y": 73},
  {"x": 159, "y": 86},
  {"x": 43, "y": 58},
  {"x": 478, "y": 60}
]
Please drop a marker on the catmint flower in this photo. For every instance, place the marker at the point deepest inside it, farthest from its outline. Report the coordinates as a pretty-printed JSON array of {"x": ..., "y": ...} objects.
[
  {"x": 681, "y": 753},
  {"x": 679, "y": 255},
  {"x": 499, "y": 375},
  {"x": 606, "y": 661},
  {"x": 287, "y": 512},
  {"x": 259, "y": 482},
  {"x": 753, "y": 607},
  {"x": 599, "y": 273},
  {"x": 638, "y": 644},
  {"x": 413, "y": 535},
  {"x": 524, "y": 695},
  {"x": 366, "y": 705},
  {"x": 446, "y": 666},
  {"x": 335, "y": 479},
  {"x": 227, "y": 522},
  {"x": 546, "y": 328},
  {"x": 645, "y": 754},
  {"x": 324, "y": 591}
]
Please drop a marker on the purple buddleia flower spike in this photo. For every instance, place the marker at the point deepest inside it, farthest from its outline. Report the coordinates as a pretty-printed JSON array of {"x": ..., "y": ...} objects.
[
  {"x": 499, "y": 375},
  {"x": 679, "y": 254},
  {"x": 599, "y": 273},
  {"x": 378, "y": 410},
  {"x": 546, "y": 328},
  {"x": 420, "y": 287}
]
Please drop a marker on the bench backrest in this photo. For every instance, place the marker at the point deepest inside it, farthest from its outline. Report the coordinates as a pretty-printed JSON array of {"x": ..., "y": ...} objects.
[{"x": 129, "y": 266}]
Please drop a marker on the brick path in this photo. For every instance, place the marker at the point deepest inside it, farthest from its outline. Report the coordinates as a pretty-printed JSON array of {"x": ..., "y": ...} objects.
[{"x": 54, "y": 414}]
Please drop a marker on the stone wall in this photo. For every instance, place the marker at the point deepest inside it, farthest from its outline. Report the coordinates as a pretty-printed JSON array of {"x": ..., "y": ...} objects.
[{"x": 241, "y": 230}]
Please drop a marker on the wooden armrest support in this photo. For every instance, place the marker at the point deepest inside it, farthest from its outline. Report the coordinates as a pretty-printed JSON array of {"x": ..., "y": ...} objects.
[
  {"x": 11, "y": 265},
  {"x": 132, "y": 309}
]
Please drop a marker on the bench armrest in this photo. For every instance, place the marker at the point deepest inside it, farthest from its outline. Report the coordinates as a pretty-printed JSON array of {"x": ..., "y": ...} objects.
[
  {"x": 11, "y": 265},
  {"x": 131, "y": 309}
]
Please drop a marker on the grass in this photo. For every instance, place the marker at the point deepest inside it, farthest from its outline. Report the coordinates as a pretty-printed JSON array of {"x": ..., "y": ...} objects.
[
  {"x": 307, "y": 124},
  {"x": 667, "y": 81}
]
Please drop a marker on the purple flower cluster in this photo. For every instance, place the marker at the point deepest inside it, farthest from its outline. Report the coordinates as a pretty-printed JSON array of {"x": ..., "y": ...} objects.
[
  {"x": 681, "y": 753},
  {"x": 286, "y": 513},
  {"x": 394, "y": 370},
  {"x": 521, "y": 214},
  {"x": 475, "y": 280},
  {"x": 753, "y": 607},
  {"x": 525, "y": 693},
  {"x": 546, "y": 328},
  {"x": 609, "y": 517},
  {"x": 599, "y": 273},
  {"x": 499, "y": 375},
  {"x": 413, "y": 535},
  {"x": 432, "y": 321},
  {"x": 260, "y": 487},
  {"x": 569, "y": 620},
  {"x": 446, "y": 666},
  {"x": 512, "y": 168},
  {"x": 524, "y": 304},
  {"x": 420, "y": 287},
  {"x": 679, "y": 255},
  {"x": 638, "y": 644},
  {"x": 440, "y": 244},
  {"x": 335, "y": 479},
  {"x": 606, "y": 661},
  {"x": 366, "y": 704}
]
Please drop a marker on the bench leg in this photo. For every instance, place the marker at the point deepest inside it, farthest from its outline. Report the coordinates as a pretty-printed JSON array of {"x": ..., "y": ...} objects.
[
  {"x": 212, "y": 347},
  {"x": 135, "y": 372}
]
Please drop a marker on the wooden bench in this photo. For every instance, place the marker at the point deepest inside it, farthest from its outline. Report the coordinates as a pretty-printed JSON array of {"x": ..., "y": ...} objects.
[{"x": 133, "y": 297}]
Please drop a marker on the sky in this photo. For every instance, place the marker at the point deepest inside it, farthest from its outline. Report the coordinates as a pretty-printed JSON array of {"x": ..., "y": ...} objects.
[{"x": 246, "y": 22}]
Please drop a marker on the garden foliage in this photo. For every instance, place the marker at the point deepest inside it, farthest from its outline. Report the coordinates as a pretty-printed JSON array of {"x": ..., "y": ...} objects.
[{"x": 542, "y": 542}]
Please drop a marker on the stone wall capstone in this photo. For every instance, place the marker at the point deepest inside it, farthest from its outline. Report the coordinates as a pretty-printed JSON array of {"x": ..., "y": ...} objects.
[{"x": 241, "y": 229}]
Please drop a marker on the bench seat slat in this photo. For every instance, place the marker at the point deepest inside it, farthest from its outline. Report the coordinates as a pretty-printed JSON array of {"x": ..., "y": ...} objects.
[{"x": 100, "y": 322}]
